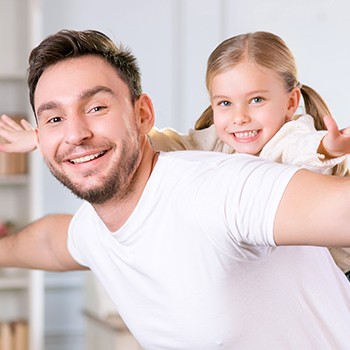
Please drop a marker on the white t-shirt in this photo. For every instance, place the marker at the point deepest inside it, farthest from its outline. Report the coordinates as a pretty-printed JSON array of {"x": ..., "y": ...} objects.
[{"x": 195, "y": 266}]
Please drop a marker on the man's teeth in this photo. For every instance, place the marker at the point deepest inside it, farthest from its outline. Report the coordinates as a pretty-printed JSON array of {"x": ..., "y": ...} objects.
[
  {"x": 246, "y": 134},
  {"x": 86, "y": 158}
]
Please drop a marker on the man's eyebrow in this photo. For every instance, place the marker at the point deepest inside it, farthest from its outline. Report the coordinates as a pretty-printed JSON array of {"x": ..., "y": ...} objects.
[
  {"x": 95, "y": 90},
  {"x": 83, "y": 96},
  {"x": 47, "y": 106}
]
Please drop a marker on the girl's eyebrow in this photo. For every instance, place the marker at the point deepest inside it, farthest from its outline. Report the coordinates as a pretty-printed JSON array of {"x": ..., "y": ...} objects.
[
  {"x": 215, "y": 97},
  {"x": 249, "y": 93},
  {"x": 83, "y": 96},
  {"x": 254, "y": 92}
]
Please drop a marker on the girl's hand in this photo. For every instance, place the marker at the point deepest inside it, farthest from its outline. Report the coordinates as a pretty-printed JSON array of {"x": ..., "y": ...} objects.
[
  {"x": 20, "y": 137},
  {"x": 337, "y": 142}
]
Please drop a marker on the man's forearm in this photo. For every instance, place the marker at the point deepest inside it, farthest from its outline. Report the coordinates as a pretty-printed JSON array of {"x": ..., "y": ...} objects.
[{"x": 40, "y": 245}]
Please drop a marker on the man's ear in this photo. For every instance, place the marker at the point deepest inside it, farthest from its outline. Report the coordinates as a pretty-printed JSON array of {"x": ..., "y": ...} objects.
[
  {"x": 293, "y": 103},
  {"x": 145, "y": 111},
  {"x": 37, "y": 140}
]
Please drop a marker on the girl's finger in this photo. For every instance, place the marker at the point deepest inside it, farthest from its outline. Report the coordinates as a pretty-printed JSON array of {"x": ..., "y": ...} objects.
[
  {"x": 10, "y": 122},
  {"x": 26, "y": 125}
]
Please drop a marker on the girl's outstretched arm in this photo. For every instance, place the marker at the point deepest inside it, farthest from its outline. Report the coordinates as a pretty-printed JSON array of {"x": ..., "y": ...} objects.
[
  {"x": 20, "y": 137},
  {"x": 337, "y": 142}
]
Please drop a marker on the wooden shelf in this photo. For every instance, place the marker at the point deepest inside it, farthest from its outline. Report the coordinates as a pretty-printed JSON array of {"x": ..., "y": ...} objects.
[{"x": 21, "y": 290}]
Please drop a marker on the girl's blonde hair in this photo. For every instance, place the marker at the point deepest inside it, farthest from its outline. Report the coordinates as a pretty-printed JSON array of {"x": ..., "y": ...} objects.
[{"x": 270, "y": 51}]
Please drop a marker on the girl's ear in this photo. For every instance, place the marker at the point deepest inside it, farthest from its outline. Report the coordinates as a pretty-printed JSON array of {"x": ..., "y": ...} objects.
[
  {"x": 293, "y": 103},
  {"x": 145, "y": 112}
]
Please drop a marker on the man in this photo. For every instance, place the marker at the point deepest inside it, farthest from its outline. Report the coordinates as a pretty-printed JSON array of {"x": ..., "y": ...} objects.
[{"x": 197, "y": 250}]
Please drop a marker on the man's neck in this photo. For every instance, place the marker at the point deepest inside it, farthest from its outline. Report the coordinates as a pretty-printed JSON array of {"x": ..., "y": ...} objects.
[{"x": 116, "y": 212}]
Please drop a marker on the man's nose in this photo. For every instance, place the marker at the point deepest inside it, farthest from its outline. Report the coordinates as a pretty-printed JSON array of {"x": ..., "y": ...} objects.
[{"x": 77, "y": 130}]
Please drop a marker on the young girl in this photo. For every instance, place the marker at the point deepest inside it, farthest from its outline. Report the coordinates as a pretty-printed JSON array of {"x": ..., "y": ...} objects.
[{"x": 254, "y": 93}]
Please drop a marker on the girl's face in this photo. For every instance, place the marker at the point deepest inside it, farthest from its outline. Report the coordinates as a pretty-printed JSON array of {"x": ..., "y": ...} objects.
[{"x": 250, "y": 104}]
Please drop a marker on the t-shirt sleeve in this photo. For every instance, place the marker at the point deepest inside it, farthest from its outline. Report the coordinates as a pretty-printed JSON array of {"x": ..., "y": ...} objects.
[
  {"x": 78, "y": 233},
  {"x": 258, "y": 198},
  {"x": 244, "y": 197}
]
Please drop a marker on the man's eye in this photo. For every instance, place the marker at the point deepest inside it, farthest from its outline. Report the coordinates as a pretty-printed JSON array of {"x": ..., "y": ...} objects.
[
  {"x": 97, "y": 109},
  {"x": 54, "y": 120}
]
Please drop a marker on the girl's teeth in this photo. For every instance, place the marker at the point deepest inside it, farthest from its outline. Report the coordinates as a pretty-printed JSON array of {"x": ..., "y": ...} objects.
[{"x": 246, "y": 134}]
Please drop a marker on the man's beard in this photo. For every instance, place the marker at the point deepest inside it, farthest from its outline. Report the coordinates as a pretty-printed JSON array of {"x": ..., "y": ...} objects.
[{"x": 117, "y": 184}]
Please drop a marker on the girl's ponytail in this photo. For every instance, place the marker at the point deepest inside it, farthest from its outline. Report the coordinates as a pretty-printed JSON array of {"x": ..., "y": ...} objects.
[
  {"x": 205, "y": 120},
  {"x": 315, "y": 106}
]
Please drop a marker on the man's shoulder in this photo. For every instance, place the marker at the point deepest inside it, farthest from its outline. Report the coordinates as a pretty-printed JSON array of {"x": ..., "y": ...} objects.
[
  {"x": 206, "y": 157},
  {"x": 195, "y": 164},
  {"x": 196, "y": 156}
]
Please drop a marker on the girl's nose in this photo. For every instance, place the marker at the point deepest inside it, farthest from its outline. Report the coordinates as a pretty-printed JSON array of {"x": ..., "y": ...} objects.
[{"x": 240, "y": 116}]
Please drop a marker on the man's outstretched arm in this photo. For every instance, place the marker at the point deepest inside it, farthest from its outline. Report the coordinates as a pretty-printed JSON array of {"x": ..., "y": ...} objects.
[
  {"x": 314, "y": 210},
  {"x": 40, "y": 245}
]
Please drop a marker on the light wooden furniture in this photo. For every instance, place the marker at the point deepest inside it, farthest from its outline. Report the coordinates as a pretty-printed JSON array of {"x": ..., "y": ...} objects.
[{"x": 21, "y": 291}]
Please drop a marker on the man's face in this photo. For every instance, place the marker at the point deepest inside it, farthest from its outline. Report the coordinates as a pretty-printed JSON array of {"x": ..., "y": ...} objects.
[{"x": 88, "y": 131}]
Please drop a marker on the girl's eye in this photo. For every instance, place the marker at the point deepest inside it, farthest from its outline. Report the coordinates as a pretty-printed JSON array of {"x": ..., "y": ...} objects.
[
  {"x": 257, "y": 99},
  {"x": 225, "y": 103}
]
